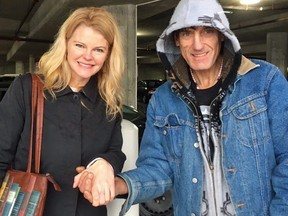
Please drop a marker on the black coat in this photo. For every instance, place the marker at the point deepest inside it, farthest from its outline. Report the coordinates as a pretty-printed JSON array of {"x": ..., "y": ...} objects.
[{"x": 73, "y": 135}]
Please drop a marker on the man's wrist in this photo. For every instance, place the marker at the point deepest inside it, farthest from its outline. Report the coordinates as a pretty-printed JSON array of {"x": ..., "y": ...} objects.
[{"x": 121, "y": 187}]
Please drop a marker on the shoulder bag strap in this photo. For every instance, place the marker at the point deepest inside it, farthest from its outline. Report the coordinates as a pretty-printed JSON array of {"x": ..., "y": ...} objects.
[
  {"x": 39, "y": 124},
  {"x": 37, "y": 106}
]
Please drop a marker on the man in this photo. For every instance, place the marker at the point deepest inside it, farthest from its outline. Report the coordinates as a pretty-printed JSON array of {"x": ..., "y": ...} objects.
[{"x": 217, "y": 133}]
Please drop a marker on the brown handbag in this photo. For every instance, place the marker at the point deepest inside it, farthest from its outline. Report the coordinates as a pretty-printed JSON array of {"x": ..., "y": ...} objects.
[{"x": 29, "y": 181}]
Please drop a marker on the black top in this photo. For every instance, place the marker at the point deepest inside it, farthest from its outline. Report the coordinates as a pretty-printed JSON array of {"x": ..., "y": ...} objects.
[
  {"x": 206, "y": 96},
  {"x": 73, "y": 135}
]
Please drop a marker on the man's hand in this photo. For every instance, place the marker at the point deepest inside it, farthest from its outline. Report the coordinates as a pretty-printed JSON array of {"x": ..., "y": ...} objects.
[
  {"x": 120, "y": 186},
  {"x": 96, "y": 182}
]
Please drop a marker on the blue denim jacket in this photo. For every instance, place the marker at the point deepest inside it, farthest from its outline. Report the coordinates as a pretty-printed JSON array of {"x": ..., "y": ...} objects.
[{"x": 254, "y": 117}]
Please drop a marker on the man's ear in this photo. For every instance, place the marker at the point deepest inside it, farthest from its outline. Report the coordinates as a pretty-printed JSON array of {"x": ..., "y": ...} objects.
[
  {"x": 222, "y": 37},
  {"x": 176, "y": 40}
]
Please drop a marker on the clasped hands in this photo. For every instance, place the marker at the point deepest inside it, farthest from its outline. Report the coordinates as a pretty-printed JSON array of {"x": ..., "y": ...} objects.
[{"x": 98, "y": 183}]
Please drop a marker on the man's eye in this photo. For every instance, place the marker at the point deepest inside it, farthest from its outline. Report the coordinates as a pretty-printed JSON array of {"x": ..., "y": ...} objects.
[
  {"x": 186, "y": 33},
  {"x": 210, "y": 30}
]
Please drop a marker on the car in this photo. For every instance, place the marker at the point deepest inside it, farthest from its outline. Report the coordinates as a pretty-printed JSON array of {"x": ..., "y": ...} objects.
[
  {"x": 136, "y": 117},
  {"x": 159, "y": 206},
  {"x": 145, "y": 88},
  {"x": 5, "y": 81}
]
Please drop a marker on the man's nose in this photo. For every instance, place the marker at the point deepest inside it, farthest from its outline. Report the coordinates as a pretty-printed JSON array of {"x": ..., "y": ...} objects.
[{"x": 197, "y": 42}]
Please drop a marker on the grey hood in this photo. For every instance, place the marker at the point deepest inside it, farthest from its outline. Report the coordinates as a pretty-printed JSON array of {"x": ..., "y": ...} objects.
[{"x": 198, "y": 13}]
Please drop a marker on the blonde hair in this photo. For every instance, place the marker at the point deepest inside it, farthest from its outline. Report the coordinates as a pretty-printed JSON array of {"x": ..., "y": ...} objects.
[{"x": 56, "y": 72}]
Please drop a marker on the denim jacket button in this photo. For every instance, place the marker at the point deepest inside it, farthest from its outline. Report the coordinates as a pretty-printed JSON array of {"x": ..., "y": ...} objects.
[
  {"x": 164, "y": 132},
  {"x": 194, "y": 180},
  {"x": 196, "y": 145},
  {"x": 192, "y": 214}
]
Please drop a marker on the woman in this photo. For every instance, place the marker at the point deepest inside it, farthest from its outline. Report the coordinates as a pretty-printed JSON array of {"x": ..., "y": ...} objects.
[{"x": 82, "y": 112}]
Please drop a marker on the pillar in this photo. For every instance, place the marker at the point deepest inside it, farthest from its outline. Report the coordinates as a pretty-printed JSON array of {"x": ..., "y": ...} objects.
[
  {"x": 126, "y": 16},
  {"x": 19, "y": 67},
  {"x": 277, "y": 50},
  {"x": 31, "y": 64}
]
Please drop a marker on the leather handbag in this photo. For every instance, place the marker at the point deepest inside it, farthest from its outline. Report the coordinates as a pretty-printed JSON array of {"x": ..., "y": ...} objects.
[{"x": 34, "y": 181}]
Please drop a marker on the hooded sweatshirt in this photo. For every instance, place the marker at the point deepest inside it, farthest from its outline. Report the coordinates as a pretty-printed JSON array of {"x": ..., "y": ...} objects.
[{"x": 209, "y": 13}]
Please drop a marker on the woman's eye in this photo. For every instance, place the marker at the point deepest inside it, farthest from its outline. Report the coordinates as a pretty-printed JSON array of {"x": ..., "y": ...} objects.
[
  {"x": 99, "y": 50},
  {"x": 79, "y": 45}
]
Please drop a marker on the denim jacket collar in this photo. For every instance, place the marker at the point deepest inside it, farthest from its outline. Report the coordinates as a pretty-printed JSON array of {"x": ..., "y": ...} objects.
[{"x": 246, "y": 66}]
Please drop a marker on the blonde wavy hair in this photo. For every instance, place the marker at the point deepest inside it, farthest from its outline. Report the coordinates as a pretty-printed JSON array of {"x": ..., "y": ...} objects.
[{"x": 54, "y": 68}]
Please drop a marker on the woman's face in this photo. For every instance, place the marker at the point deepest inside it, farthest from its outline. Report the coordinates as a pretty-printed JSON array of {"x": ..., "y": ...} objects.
[{"x": 87, "y": 51}]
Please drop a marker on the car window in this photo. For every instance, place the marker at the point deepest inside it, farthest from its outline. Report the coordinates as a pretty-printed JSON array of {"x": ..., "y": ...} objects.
[
  {"x": 151, "y": 84},
  {"x": 141, "y": 84}
]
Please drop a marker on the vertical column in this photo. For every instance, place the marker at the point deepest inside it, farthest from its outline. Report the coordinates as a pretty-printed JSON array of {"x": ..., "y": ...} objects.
[
  {"x": 19, "y": 67},
  {"x": 277, "y": 50},
  {"x": 31, "y": 64},
  {"x": 2, "y": 63},
  {"x": 126, "y": 16}
]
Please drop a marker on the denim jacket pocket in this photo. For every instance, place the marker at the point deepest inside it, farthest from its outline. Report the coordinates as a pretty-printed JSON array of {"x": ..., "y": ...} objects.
[
  {"x": 173, "y": 131},
  {"x": 252, "y": 127}
]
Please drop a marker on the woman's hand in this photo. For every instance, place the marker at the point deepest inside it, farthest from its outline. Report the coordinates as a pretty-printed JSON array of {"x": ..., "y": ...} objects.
[{"x": 96, "y": 182}]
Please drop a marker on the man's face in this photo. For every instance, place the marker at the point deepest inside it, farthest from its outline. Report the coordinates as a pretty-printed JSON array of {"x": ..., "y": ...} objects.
[{"x": 200, "y": 47}]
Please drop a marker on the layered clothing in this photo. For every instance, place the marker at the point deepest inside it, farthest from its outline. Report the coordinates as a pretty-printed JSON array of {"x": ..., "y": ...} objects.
[
  {"x": 230, "y": 160},
  {"x": 253, "y": 145},
  {"x": 76, "y": 130}
]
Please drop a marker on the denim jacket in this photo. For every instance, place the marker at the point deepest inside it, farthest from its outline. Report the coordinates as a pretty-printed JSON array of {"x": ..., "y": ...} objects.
[{"x": 254, "y": 142}]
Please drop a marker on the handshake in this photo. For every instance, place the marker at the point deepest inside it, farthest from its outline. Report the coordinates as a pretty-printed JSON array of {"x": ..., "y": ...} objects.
[{"x": 98, "y": 183}]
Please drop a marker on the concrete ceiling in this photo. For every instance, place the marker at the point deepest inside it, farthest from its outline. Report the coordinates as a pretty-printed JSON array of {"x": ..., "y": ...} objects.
[{"x": 27, "y": 27}]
